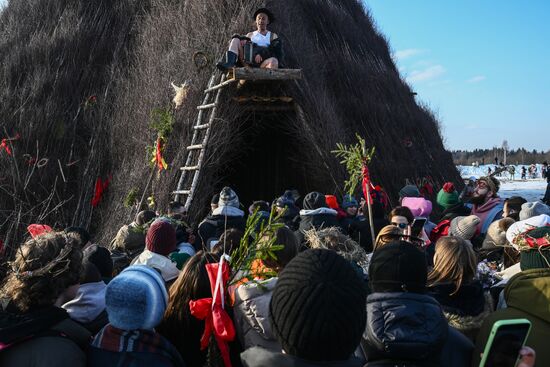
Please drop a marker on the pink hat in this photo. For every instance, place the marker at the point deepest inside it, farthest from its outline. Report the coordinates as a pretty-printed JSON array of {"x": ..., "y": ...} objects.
[{"x": 419, "y": 207}]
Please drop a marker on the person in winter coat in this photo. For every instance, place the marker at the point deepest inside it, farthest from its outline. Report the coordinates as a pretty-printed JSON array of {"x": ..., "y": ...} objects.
[
  {"x": 226, "y": 215},
  {"x": 34, "y": 329},
  {"x": 420, "y": 208},
  {"x": 130, "y": 239},
  {"x": 286, "y": 205},
  {"x": 316, "y": 285},
  {"x": 136, "y": 300},
  {"x": 527, "y": 295},
  {"x": 160, "y": 242},
  {"x": 401, "y": 217},
  {"x": 315, "y": 215},
  {"x": 360, "y": 229},
  {"x": 512, "y": 207},
  {"x": 487, "y": 206},
  {"x": 448, "y": 201},
  {"x": 251, "y": 308},
  {"x": 452, "y": 283},
  {"x": 405, "y": 326},
  {"x": 88, "y": 307},
  {"x": 350, "y": 206}
]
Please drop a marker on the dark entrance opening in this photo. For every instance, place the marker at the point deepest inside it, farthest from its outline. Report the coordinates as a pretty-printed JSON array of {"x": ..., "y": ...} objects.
[{"x": 268, "y": 160}]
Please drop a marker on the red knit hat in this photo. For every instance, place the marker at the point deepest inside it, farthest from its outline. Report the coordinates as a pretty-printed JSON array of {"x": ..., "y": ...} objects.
[{"x": 161, "y": 238}]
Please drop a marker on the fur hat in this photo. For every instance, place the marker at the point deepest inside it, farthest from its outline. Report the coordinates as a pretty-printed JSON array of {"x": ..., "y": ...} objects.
[
  {"x": 314, "y": 200},
  {"x": 398, "y": 267},
  {"x": 161, "y": 237},
  {"x": 409, "y": 191},
  {"x": 447, "y": 197},
  {"x": 228, "y": 197},
  {"x": 464, "y": 227},
  {"x": 319, "y": 285},
  {"x": 496, "y": 234},
  {"x": 419, "y": 207},
  {"x": 136, "y": 298},
  {"x": 533, "y": 209},
  {"x": 349, "y": 201}
]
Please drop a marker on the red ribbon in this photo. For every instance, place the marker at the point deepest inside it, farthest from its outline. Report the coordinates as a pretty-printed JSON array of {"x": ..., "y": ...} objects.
[
  {"x": 216, "y": 319},
  {"x": 159, "y": 159},
  {"x": 100, "y": 187},
  {"x": 5, "y": 146},
  {"x": 37, "y": 229},
  {"x": 366, "y": 181}
]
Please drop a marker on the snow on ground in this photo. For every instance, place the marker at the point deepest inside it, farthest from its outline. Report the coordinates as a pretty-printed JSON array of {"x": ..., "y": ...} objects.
[{"x": 531, "y": 189}]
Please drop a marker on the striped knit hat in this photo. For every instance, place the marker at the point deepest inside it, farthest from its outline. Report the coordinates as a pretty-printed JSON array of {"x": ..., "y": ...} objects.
[
  {"x": 318, "y": 308},
  {"x": 136, "y": 298}
]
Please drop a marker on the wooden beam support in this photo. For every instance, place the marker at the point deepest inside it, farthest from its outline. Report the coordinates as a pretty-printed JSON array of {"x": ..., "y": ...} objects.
[{"x": 266, "y": 74}]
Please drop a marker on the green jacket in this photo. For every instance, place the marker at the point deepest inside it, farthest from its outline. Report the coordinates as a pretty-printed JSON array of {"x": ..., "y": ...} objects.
[{"x": 527, "y": 295}]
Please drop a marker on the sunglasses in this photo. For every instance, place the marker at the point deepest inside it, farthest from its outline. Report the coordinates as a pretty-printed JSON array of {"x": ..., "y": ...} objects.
[{"x": 400, "y": 225}]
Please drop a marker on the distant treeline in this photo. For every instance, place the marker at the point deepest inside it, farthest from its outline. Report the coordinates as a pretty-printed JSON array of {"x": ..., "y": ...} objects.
[{"x": 487, "y": 156}]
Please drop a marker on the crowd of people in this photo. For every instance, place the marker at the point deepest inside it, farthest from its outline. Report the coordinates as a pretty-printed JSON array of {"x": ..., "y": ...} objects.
[{"x": 326, "y": 293}]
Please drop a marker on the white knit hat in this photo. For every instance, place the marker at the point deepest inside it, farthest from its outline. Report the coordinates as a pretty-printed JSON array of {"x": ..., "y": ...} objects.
[
  {"x": 533, "y": 209},
  {"x": 464, "y": 227}
]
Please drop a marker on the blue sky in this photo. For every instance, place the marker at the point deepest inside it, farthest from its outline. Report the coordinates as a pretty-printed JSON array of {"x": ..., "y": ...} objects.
[{"x": 482, "y": 66}]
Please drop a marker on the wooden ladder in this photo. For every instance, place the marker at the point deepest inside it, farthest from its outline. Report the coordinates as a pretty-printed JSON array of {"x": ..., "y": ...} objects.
[{"x": 190, "y": 174}]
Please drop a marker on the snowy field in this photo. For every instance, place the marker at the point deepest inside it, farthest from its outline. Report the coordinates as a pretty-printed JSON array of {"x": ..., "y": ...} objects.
[{"x": 531, "y": 189}]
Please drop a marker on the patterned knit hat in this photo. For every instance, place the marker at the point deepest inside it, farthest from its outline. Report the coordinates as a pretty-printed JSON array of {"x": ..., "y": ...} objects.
[
  {"x": 161, "y": 237},
  {"x": 349, "y": 201},
  {"x": 464, "y": 227},
  {"x": 409, "y": 191},
  {"x": 318, "y": 308},
  {"x": 136, "y": 298},
  {"x": 228, "y": 197},
  {"x": 447, "y": 197},
  {"x": 529, "y": 210}
]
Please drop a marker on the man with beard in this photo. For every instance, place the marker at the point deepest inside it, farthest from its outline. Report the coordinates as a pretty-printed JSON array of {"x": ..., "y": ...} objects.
[{"x": 487, "y": 205}]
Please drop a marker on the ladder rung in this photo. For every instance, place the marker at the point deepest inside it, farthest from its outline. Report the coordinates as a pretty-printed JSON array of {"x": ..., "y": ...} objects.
[
  {"x": 191, "y": 168},
  {"x": 200, "y": 127},
  {"x": 195, "y": 147},
  {"x": 206, "y": 106},
  {"x": 181, "y": 192}
]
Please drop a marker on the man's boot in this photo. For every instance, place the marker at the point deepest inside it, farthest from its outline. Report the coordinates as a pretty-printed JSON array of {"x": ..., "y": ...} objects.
[{"x": 230, "y": 61}]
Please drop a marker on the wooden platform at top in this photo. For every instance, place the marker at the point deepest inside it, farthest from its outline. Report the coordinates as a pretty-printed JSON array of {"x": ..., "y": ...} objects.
[{"x": 264, "y": 74}]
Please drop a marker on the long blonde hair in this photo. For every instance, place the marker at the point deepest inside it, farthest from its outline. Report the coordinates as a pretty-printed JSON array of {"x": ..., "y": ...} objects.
[
  {"x": 386, "y": 235},
  {"x": 454, "y": 261}
]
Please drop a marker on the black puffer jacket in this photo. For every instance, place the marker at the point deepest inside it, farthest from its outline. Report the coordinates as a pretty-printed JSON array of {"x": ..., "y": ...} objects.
[
  {"x": 213, "y": 226},
  {"x": 316, "y": 219},
  {"x": 409, "y": 329}
]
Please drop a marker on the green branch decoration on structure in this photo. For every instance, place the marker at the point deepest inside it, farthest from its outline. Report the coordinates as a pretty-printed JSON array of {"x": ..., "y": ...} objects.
[{"x": 355, "y": 158}]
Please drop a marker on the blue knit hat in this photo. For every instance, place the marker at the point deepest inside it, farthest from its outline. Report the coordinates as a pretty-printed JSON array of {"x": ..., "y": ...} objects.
[
  {"x": 136, "y": 298},
  {"x": 349, "y": 201}
]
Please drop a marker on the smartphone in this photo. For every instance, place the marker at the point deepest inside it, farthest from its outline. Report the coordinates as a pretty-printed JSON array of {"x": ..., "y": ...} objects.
[
  {"x": 417, "y": 225},
  {"x": 505, "y": 341}
]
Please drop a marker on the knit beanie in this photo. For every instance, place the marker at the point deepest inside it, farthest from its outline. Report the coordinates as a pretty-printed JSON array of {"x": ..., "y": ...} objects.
[
  {"x": 318, "y": 308},
  {"x": 496, "y": 233},
  {"x": 533, "y": 259},
  {"x": 260, "y": 205},
  {"x": 398, "y": 267},
  {"x": 101, "y": 258},
  {"x": 228, "y": 197},
  {"x": 349, "y": 201},
  {"x": 447, "y": 197},
  {"x": 419, "y": 207},
  {"x": 409, "y": 191},
  {"x": 314, "y": 200},
  {"x": 286, "y": 200},
  {"x": 215, "y": 199},
  {"x": 136, "y": 298},
  {"x": 529, "y": 210},
  {"x": 161, "y": 237},
  {"x": 464, "y": 227}
]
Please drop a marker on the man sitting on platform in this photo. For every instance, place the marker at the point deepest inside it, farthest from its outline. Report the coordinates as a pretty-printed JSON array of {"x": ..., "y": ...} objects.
[{"x": 261, "y": 48}]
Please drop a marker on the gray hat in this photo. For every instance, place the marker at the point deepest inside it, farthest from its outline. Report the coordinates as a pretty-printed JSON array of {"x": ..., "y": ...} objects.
[
  {"x": 409, "y": 191},
  {"x": 464, "y": 227},
  {"x": 496, "y": 234},
  {"x": 529, "y": 210},
  {"x": 228, "y": 197}
]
